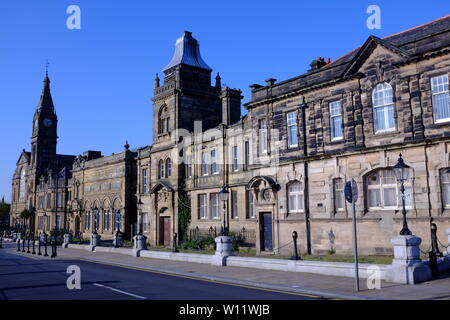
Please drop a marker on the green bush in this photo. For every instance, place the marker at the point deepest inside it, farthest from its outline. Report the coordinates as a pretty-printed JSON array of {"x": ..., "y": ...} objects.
[{"x": 199, "y": 243}]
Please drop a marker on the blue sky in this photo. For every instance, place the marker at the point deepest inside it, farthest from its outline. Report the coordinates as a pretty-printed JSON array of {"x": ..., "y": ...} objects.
[{"x": 102, "y": 75}]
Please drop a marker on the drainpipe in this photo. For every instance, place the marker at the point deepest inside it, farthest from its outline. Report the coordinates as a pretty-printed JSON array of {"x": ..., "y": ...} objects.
[{"x": 306, "y": 190}]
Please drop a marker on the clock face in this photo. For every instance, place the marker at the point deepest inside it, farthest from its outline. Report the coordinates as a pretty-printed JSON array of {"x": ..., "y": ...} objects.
[{"x": 47, "y": 122}]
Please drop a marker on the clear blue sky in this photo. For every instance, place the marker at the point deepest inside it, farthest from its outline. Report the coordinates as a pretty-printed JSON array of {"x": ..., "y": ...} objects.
[{"x": 102, "y": 75}]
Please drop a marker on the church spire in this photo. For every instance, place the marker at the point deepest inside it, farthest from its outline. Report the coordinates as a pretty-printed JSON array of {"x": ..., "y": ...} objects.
[{"x": 46, "y": 100}]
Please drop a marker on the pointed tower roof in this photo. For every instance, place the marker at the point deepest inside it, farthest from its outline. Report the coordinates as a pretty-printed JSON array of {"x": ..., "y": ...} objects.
[
  {"x": 46, "y": 100},
  {"x": 187, "y": 52}
]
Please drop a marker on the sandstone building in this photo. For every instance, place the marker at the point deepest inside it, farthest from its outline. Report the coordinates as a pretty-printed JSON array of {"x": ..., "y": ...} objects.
[{"x": 284, "y": 163}]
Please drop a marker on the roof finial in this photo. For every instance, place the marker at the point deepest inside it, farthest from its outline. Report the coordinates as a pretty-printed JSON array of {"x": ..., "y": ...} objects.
[{"x": 46, "y": 68}]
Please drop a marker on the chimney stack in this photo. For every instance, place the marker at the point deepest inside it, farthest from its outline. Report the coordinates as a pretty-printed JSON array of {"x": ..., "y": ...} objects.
[{"x": 231, "y": 105}]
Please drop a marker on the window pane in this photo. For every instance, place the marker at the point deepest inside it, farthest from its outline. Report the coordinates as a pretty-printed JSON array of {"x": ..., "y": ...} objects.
[
  {"x": 336, "y": 127},
  {"x": 390, "y": 197},
  {"x": 446, "y": 194},
  {"x": 374, "y": 198}
]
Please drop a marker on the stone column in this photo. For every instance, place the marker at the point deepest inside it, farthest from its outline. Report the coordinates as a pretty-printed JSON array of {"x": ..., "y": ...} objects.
[
  {"x": 95, "y": 241},
  {"x": 67, "y": 240},
  {"x": 118, "y": 241},
  {"x": 224, "y": 249},
  {"x": 140, "y": 243},
  {"x": 407, "y": 267}
]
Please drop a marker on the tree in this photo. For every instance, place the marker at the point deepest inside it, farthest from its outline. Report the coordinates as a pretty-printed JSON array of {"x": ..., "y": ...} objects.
[
  {"x": 4, "y": 213},
  {"x": 26, "y": 215}
]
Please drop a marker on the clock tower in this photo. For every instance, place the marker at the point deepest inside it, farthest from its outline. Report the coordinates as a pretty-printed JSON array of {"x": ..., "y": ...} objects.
[{"x": 44, "y": 137}]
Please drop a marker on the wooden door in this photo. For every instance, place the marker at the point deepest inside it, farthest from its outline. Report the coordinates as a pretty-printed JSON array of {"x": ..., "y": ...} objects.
[
  {"x": 266, "y": 231},
  {"x": 164, "y": 235}
]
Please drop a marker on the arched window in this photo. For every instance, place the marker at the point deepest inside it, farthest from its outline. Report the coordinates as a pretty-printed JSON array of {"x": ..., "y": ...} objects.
[
  {"x": 295, "y": 196},
  {"x": 22, "y": 186},
  {"x": 383, "y": 191},
  {"x": 163, "y": 120},
  {"x": 169, "y": 167},
  {"x": 87, "y": 222},
  {"x": 107, "y": 220},
  {"x": 383, "y": 107},
  {"x": 161, "y": 169}
]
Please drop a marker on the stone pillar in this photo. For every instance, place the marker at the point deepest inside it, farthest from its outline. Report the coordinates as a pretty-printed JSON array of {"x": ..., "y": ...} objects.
[
  {"x": 448, "y": 239},
  {"x": 140, "y": 243},
  {"x": 67, "y": 240},
  {"x": 95, "y": 241},
  {"x": 407, "y": 267},
  {"x": 118, "y": 241},
  {"x": 224, "y": 249}
]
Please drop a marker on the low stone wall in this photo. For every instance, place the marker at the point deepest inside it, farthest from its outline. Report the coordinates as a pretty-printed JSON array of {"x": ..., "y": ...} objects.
[
  {"x": 187, "y": 257},
  {"x": 339, "y": 269}
]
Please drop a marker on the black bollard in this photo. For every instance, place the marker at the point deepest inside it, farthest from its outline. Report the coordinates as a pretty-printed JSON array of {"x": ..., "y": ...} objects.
[
  {"x": 175, "y": 249},
  {"x": 295, "y": 255},
  {"x": 23, "y": 245},
  {"x": 1, "y": 242},
  {"x": 18, "y": 245},
  {"x": 434, "y": 241},
  {"x": 433, "y": 263},
  {"x": 45, "y": 246},
  {"x": 80, "y": 241},
  {"x": 34, "y": 243},
  {"x": 28, "y": 246}
]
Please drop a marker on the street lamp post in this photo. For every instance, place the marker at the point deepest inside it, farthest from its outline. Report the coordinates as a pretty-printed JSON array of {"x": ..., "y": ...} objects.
[
  {"x": 223, "y": 194},
  {"x": 401, "y": 171}
]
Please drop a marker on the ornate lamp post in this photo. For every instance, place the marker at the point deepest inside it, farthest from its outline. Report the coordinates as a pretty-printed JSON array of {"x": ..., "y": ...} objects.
[
  {"x": 223, "y": 196},
  {"x": 401, "y": 171}
]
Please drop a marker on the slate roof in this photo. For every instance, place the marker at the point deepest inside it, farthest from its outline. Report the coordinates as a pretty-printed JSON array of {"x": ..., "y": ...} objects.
[{"x": 411, "y": 44}]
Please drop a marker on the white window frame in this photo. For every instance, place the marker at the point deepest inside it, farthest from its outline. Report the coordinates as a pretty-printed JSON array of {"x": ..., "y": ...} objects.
[
  {"x": 234, "y": 205},
  {"x": 263, "y": 136},
  {"x": 440, "y": 88},
  {"x": 381, "y": 186},
  {"x": 386, "y": 93},
  {"x": 235, "y": 158},
  {"x": 189, "y": 166},
  {"x": 214, "y": 162},
  {"x": 291, "y": 121},
  {"x": 145, "y": 180},
  {"x": 251, "y": 214},
  {"x": 215, "y": 206},
  {"x": 204, "y": 164},
  {"x": 298, "y": 195},
  {"x": 22, "y": 185},
  {"x": 162, "y": 170},
  {"x": 338, "y": 190},
  {"x": 145, "y": 224},
  {"x": 445, "y": 183},
  {"x": 335, "y": 113},
  {"x": 202, "y": 206},
  {"x": 168, "y": 167}
]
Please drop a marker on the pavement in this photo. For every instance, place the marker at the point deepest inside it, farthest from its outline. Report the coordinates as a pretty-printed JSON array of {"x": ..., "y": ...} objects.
[{"x": 280, "y": 285}]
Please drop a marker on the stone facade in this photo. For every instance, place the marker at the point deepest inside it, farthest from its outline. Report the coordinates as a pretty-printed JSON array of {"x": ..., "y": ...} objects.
[{"x": 285, "y": 162}]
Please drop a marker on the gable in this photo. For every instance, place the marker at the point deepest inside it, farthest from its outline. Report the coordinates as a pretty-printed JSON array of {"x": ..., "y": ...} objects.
[
  {"x": 24, "y": 158},
  {"x": 375, "y": 52}
]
